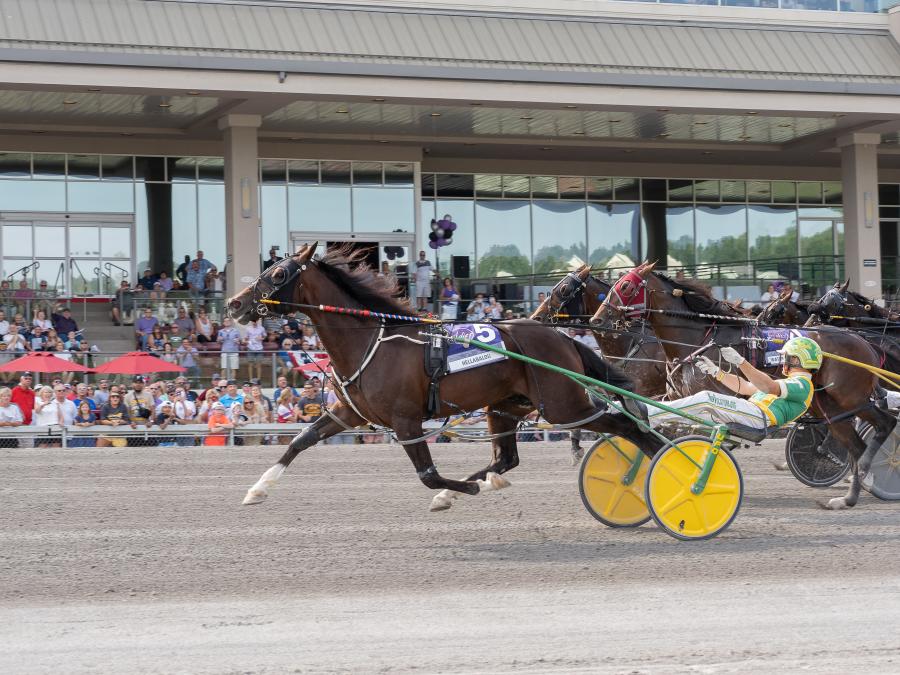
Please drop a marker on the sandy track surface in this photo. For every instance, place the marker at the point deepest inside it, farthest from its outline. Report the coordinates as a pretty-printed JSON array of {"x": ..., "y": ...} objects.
[{"x": 143, "y": 560}]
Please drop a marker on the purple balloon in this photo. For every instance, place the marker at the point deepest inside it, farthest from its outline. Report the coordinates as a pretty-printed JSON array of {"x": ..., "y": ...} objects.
[
  {"x": 443, "y": 224},
  {"x": 440, "y": 233},
  {"x": 450, "y": 226},
  {"x": 433, "y": 244},
  {"x": 441, "y": 242}
]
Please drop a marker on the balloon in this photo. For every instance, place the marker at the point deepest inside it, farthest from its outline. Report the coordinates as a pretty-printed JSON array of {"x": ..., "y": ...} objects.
[
  {"x": 441, "y": 242},
  {"x": 601, "y": 296},
  {"x": 451, "y": 226},
  {"x": 433, "y": 244},
  {"x": 432, "y": 236},
  {"x": 434, "y": 225},
  {"x": 443, "y": 224},
  {"x": 440, "y": 233}
]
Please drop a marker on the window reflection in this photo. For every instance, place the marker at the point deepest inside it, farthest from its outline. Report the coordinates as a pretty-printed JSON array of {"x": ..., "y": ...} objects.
[
  {"x": 721, "y": 234},
  {"x": 461, "y": 212},
  {"x": 101, "y": 197},
  {"x": 680, "y": 235},
  {"x": 15, "y": 165},
  {"x": 184, "y": 220},
  {"x": 274, "y": 220},
  {"x": 611, "y": 231},
  {"x": 378, "y": 209},
  {"x": 503, "y": 237},
  {"x": 32, "y": 195},
  {"x": 772, "y": 231},
  {"x": 558, "y": 235},
  {"x": 84, "y": 241},
  {"x": 211, "y": 223},
  {"x": 315, "y": 208},
  {"x": 115, "y": 242},
  {"x": 16, "y": 240},
  {"x": 50, "y": 240},
  {"x": 84, "y": 167}
]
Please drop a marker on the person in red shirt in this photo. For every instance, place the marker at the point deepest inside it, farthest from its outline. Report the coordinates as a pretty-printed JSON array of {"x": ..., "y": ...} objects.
[{"x": 23, "y": 396}]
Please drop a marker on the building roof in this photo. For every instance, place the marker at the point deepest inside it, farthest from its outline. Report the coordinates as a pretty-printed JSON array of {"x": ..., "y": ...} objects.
[{"x": 338, "y": 39}]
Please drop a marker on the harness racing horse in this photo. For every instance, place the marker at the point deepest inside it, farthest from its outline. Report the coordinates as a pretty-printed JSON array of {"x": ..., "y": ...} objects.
[
  {"x": 841, "y": 390},
  {"x": 782, "y": 311},
  {"x": 380, "y": 379},
  {"x": 881, "y": 328}
]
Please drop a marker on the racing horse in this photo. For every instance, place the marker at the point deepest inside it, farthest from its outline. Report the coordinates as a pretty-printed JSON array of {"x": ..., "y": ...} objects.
[
  {"x": 842, "y": 390},
  {"x": 379, "y": 377},
  {"x": 782, "y": 311}
]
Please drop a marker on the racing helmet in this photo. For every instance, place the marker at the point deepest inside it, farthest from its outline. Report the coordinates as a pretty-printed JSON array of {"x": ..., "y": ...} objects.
[{"x": 806, "y": 350}]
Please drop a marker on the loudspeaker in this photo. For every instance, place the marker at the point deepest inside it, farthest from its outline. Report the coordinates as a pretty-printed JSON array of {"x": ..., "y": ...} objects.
[{"x": 460, "y": 266}]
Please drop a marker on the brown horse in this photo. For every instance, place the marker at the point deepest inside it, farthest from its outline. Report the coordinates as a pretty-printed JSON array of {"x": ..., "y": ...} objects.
[
  {"x": 380, "y": 378},
  {"x": 782, "y": 311},
  {"x": 842, "y": 390},
  {"x": 634, "y": 348}
]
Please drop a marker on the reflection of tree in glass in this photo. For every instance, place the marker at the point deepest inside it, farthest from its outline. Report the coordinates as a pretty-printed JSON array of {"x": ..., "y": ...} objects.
[
  {"x": 601, "y": 255},
  {"x": 550, "y": 258},
  {"x": 682, "y": 249},
  {"x": 503, "y": 258},
  {"x": 726, "y": 249}
]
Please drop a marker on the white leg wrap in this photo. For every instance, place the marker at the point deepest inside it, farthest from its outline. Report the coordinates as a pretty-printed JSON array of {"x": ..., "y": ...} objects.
[
  {"x": 493, "y": 481},
  {"x": 260, "y": 490}
]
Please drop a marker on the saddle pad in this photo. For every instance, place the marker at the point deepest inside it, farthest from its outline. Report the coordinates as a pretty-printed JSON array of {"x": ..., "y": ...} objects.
[
  {"x": 463, "y": 357},
  {"x": 775, "y": 339}
]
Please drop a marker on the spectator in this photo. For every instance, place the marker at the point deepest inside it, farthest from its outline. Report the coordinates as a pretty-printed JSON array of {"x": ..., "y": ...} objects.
[
  {"x": 37, "y": 341},
  {"x": 263, "y": 404},
  {"x": 310, "y": 404},
  {"x": 229, "y": 337},
  {"x": 175, "y": 336},
  {"x": 43, "y": 298},
  {"x": 476, "y": 309},
  {"x": 218, "y": 423},
  {"x": 84, "y": 417},
  {"x": 231, "y": 395},
  {"x": 271, "y": 260},
  {"x": 508, "y": 314},
  {"x": 449, "y": 300},
  {"x": 67, "y": 408},
  {"x": 156, "y": 341},
  {"x": 182, "y": 270},
  {"x": 210, "y": 399},
  {"x": 114, "y": 414},
  {"x": 309, "y": 340},
  {"x": 254, "y": 339},
  {"x": 15, "y": 341},
  {"x": 10, "y": 416},
  {"x": 122, "y": 304},
  {"x": 184, "y": 322},
  {"x": 144, "y": 326},
  {"x": 196, "y": 281},
  {"x": 168, "y": 354},
  {"x": 101, "y": 395},
  {"x": 215, "y": 282},
  {"x": 165, "y": 283},
  {"x": 165, "y": 416},
  {"x": 147, "y": 281},
  {"x": 423, "y": 273},
  {"x": 23, "y": 396},
  {"x": 41, "y": 321},
  {"x": 64, "y": 323},
  {"x": 494, "y": 310},
  {"x": 769, "y": 295},
  {"x": 185, "y": 409},
  {"x": 81, "y": 395},
  {"x": 186, "y": 355},
  {"x": 46, "y": 414},
  {"x": 4, "y": 324},
  {"x": 282, "y": 385},
  {"x": 23, "y": 296},
  {"x": 7, "y": 303},
  {"x": 139, "y": 402},
  {"x": 181, "y": 382},
  {"x": 203, "y": 327},
  {"x": 64, "y": 354},
  {"x": 205, "y": 265}
]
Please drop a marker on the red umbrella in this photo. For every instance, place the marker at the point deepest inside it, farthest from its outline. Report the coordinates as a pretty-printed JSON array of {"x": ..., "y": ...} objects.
[
  {"x": 138, "y": 363},
  {"x": 43, "y": 362}
]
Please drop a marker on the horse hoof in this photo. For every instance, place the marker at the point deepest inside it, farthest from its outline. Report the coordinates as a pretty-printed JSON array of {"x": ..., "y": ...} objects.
[
  {"x": 493, "y": 481},
  {"x": 780, "y": 466},
  {"x": 835, "y": 504},
  {"x": 440, "y": 503},
  {"x": 254, "y": 498}
]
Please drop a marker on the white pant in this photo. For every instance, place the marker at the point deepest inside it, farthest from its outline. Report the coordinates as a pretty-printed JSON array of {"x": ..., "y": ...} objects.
[
  {"x": 717, "y": 408},
  {"x": 893, "y": 399}
]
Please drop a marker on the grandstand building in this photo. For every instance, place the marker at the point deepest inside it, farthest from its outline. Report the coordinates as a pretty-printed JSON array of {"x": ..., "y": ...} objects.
[{"x": 758, "y": 134}]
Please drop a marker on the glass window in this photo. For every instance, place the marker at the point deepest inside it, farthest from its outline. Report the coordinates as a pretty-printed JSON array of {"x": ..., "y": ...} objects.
[
  {"x": 84, "y": 167},
  {"x": 368, "y": 173},
  {"x": 721, "y": 234},
  {"x": 681, "y": 191},
  {"x": 627, "y": 189},
  {"x": 50, "y": 240},
  {"x": 84, "y": 240},
  {"x": 759, "y": 191},
  {"x": 399, "y": 173},
  {"x": 116, "y": 197},
  {"x": 889, "y": 194},
  {"x": 680, "y": 235},
  {"x": 571, "y": 187},
  {"x": 733, "y": 191},
  {"x": 150, "y": 169},
  {"x": 273, "y": 171},
  {"x": 488, "y": 186},
  {"x": 182, "y": 169},
  {"x": 37, "y": 195},
  {"x": 654, "y": 189},
  {"x": 336, "y": 173},
  {"x": 117, "y": 167},
  {"x": 772, "y": 232},
  {"x": 210, "y": 170},
  {"x": 504, "y": 237},
  {"x": 315, "y": 208},
  {"x": 428, "y": 180},
  {"x": 558, "y": 235},
  {"x": 750, "y": 3},
  {"x": 834, "y": 192},
  {"x": 273, "y": 212},
  {"x": 809, "y": 193},
  {"x": 455, "y": 185},
  {"x": 50, "y": 166},
  {"x": 16, "y": 240},
  {"x": 211, "y": 223},
  {"x": 303, "y": 172},
  {"x": 115, "y": 242},
  {"x": 427, "y": 206},
  {"x": 823, "y": 5},
  {"x": 184, "y": 220},
  {"x": 600, "y": 188},
  {"x": 15, "y": 164},
  {"x": 784, "y": 192},
  {"x": 544, "y": 187},
  {"x": 707, "y": 190},
  {"x": 378, "y": 209},
  {"x": 516, "y": 186},
  {"x": 461, "y": 212},
  {"x": 611, "y": 232}
]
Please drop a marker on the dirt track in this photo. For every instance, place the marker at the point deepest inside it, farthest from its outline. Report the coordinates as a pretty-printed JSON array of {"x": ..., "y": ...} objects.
[{"x": 128, "y": 560}]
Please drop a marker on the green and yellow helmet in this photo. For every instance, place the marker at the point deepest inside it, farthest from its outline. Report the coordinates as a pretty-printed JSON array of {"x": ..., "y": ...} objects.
[{"x": 806, "y": 350}]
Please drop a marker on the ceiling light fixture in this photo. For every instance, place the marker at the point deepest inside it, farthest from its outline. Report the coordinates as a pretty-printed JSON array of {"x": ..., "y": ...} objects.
[
  {"x": 476, "y": 104},
  {"x": 571, "y": 107},
  {"x": 378, "y": 100},
  {"x": 707, "y": 152},
  {"x": 614, "y": 121},
  {"x": 435, "y": 114},
  {"x": 546, "y": 148},
  {"x": 752, "y": 112},
  {"x": 840, "y": 114},
  {"x": 93, "y": 88},
  {"x": 383, "y": 141},
  {"x": 662, "y": 135},
  {"x": 578, "y": 133},
  {"x": 342, "y": 111},
  {"x": 193, "y": 93},
  {"x": 701, "y": 123},
  {"x": 662, "y": 110},
  {"x": 70, "y": 101},
  {"x": 526, "y": 117},
  {"x": 165, "y": 104}
]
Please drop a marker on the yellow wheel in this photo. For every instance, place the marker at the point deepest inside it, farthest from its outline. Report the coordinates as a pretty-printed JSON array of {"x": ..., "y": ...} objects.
[
  {"x": 672, "y": 475},
  {"x": 612, "y": 488}
]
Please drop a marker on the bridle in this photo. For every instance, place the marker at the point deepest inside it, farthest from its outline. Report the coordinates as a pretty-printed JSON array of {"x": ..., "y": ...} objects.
[
  {"x": 573, "y": 290},
  {"x": 628, "y": 295},
  {"x": 271, "y": 281}
]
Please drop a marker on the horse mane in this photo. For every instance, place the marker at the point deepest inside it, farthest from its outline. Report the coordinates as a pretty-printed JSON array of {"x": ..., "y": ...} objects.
[
  {"x": 698, "y": 296},
  {"x": 875, "y": 311},
  {"x": 346, "y": 268}
]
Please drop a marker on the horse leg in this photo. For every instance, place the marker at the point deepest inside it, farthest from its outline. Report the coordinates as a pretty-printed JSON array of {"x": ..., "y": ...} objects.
[
  {"x": 504, "y": 456},
  {"x": 845, "y": 433},
  {"x": 324, "y": 427},
  {"x": 577, "y": 450}
]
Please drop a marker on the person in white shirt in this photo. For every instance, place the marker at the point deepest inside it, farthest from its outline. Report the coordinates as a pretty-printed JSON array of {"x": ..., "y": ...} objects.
[
  {"x": 41, "y": 321},
  {"x": 46, "y": 414},
  {"x": 10, "y": 416},
  {"x": 423, "y": 281},
  {"x": 253, "y": 338},
  {"x": 67, "y": 408},
  {"x": 4, "y": 324},
  {"x": 15, "y": 341}
]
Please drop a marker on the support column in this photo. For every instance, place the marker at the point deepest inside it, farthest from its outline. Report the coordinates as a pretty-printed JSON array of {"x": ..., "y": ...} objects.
[
  {"x": 241, "y": 199},
  {"x": 862, "y": 246}
]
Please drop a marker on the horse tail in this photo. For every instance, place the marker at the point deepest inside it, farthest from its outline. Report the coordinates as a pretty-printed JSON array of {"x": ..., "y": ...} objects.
[{"x": 600, "y": 369}]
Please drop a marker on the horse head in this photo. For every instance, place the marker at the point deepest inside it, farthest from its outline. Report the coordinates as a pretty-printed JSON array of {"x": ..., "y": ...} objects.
[
  {"x": 626, "y": 296},
  {"x": 276, "y": 285},
  {"x": 566, "y": 297}
]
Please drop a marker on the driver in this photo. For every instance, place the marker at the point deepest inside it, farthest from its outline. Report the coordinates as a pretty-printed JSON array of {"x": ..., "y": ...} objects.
[{"x": 771, "y": 403}]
